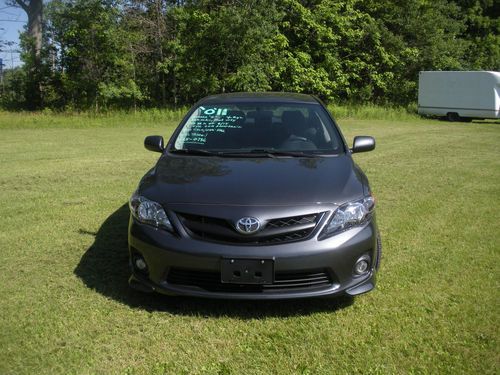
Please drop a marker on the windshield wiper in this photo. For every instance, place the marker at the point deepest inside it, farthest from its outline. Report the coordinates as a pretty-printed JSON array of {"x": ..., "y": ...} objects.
[
  {"x": 194, "y": 151},
  {"x": 255, "y": 153},
  {"x": 270, "y": 153}
]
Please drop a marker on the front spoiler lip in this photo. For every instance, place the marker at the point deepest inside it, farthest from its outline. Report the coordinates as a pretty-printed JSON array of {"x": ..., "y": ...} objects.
[{"x": 142, "y": 284}]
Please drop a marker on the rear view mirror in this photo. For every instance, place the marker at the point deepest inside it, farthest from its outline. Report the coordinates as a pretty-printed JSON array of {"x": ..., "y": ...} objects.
[
  {"x": 363, "y": 143},
  {"x": 154, "y": 143}
]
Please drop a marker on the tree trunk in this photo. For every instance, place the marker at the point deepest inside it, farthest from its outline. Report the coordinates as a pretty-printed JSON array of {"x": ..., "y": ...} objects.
[
  {"x": 35, "y": 20},
  {"x": 34, "y": 10}
]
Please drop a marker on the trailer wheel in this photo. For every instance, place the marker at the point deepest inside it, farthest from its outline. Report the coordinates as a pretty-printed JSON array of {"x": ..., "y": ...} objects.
[{"x": 452, "y": 117}]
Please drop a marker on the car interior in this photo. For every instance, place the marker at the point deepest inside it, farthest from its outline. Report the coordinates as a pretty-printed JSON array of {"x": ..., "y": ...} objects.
[{"x": 287, "y": 130}]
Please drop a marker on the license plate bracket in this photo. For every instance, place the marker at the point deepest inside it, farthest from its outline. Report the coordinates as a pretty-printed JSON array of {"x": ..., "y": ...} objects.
[{"x": 247, "y": 271}]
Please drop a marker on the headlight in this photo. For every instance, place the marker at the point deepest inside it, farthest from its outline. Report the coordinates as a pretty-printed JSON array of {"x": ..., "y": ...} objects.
[
  {"x": 350, "y": 215},
  {"x": 149, "y": 212}
]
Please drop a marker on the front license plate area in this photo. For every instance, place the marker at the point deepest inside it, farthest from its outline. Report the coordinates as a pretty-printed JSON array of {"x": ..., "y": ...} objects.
[{"x": 247, "y": 271}]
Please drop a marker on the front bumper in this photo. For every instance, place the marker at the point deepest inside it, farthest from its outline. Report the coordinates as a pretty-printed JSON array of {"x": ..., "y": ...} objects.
[{"x": 333, "y": 258}]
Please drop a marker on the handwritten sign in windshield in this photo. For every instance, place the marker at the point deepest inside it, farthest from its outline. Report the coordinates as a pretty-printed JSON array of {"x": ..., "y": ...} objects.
[{"x": 207, "y": 121}]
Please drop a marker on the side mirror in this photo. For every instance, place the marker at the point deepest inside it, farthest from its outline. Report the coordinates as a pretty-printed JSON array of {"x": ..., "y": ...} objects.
[
  {"x": 363, "y": 143},
  {"x": 154, "y": 143}
]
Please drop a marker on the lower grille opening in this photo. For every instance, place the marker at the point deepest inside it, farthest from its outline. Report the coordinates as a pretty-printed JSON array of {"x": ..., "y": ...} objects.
[{"x": 283, "y": 281}]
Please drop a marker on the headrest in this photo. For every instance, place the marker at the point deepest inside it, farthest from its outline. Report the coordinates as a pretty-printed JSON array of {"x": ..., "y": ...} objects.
[
  {"x": 262, "y": 118},
  {"x": 239, "y": 116},
  {"x": 293, "y": 118}
]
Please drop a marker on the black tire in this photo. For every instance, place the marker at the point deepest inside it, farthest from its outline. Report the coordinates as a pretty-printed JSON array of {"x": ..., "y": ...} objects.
[
  {"x": 452, "y": 117},
  {"x": 379, "y": 252}
]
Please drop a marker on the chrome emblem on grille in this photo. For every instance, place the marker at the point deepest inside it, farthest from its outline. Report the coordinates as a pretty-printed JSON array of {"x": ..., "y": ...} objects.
[{"x": 248, "y": 225}]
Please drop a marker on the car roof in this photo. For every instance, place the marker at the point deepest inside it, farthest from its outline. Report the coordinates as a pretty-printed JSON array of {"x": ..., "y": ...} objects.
[{"x": 277, "y": 97}]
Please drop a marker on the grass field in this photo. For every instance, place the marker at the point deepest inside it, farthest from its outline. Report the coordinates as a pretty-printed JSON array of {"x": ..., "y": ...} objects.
[{"x": 65, "y": 307}]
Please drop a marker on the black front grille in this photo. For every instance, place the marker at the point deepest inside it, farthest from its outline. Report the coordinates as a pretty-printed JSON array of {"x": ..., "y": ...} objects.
[
  {"x": 275, "y": 231},
  {"x": 283, "y": 281},
  {"x": 291, "y": 221}
]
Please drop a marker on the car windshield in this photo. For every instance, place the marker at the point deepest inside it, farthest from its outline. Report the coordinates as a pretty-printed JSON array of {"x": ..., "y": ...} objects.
[{"x": 272, "y": 128}]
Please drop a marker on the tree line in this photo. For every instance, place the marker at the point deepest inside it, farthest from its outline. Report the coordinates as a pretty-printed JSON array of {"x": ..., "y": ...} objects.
[{"x": 103, "y": 54}]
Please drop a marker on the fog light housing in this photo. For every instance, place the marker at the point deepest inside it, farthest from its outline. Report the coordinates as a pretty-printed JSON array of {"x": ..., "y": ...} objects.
[
  {"x": 139, "y": 263},
  {"x": 362, "y": 265}
]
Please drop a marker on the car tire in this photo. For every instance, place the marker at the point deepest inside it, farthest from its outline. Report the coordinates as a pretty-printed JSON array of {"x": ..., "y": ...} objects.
[{"x": 379, "y": 252}]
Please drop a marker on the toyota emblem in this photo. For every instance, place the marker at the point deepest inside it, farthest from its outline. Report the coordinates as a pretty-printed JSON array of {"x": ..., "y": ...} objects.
[{"x": 248, "y": 225}]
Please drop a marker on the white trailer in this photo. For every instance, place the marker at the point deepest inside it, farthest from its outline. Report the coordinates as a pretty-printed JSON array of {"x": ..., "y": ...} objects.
[{"x": 459, "y": 95}]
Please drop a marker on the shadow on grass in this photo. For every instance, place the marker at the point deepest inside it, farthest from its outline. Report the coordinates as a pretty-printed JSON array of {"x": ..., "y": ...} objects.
[
  {"x": 492, "y": 122},
  {"x": 104, "y": 268},
  {"x": 472, "y": 121}
]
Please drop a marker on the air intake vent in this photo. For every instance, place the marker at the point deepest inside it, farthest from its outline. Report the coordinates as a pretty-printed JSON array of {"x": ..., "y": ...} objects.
[{"x": 211, "y": 281}]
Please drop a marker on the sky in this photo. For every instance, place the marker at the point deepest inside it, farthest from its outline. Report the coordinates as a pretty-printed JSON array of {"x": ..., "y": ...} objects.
[{"x": 12, "y": 21}]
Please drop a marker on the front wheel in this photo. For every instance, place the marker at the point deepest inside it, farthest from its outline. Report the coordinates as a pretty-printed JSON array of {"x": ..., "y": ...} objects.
[{"x": 379, "y": 251}]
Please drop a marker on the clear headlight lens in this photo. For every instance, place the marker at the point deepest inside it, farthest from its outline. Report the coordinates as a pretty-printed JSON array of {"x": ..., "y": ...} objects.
[
  {"x": 149, "y": 212},
  {"x": 350, "y": 215}
]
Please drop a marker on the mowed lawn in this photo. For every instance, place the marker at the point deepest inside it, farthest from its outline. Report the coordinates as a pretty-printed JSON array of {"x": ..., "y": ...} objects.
[{"x": 65, "y": 307}]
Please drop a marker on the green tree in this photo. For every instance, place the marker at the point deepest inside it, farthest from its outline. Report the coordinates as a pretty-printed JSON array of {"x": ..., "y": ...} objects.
[
  {"x": 94, "y": 66},
  {"x": 482, "y": 20},
  {"x": 334, "y": 49},
  {"x": 123, "y": 53},
  {"x": 227, "y": 47},
  {"x": 13, "y": 89},
  {"x": 422, "y": 35}
]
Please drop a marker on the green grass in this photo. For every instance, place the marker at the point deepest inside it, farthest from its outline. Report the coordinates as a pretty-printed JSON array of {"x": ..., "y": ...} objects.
[
  {"x": 85, "y": 120},
  {"x": 373, "y": 112},
  {"x": 152, "y": 117},
  {"x": 66, "y": 308}
]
